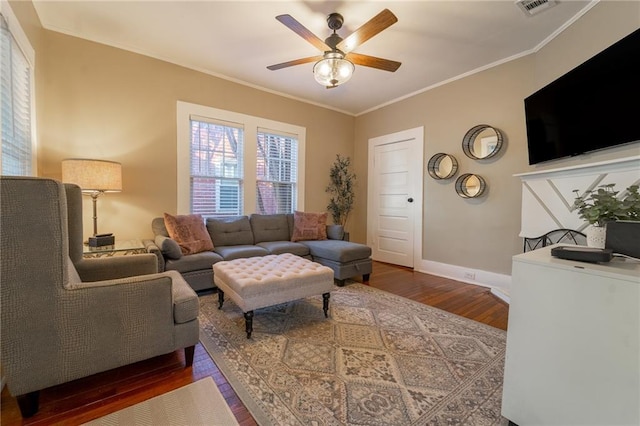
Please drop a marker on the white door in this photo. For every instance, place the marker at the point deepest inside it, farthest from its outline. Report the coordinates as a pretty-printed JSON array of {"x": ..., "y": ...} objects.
[{"x": 394, "y": 206}]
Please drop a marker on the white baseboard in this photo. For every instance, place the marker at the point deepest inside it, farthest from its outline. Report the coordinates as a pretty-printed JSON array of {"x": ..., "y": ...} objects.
[
  {"x": 499, "y": 283},
  {"x": 500, "y": 295}
]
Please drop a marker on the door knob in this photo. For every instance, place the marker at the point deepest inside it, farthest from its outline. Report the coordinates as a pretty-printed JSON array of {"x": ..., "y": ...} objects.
[{"x": 410, "y": 200}]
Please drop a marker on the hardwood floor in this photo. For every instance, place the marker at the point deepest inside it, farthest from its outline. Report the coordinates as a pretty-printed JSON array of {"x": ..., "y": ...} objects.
[
  {"x": 92, "y": 397},
  {"x": 467, "y": 300}
]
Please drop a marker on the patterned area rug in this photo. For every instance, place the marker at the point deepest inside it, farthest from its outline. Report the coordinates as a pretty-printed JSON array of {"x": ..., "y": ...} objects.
[
  {"x": 379, "y": 359},
  {"x": 199, "y": 403}
]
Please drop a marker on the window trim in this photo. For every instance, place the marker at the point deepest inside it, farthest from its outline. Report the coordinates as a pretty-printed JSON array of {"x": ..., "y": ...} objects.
[
  {"x": 30, "y": 55},
  {"x": 251, "y": 124}
]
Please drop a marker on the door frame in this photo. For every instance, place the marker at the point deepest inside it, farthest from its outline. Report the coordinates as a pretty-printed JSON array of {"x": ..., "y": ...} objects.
[{"x": 416, "y": 137}]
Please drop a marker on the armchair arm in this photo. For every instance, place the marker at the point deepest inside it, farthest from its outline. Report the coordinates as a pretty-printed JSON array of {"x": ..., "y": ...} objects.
[
  {"x": 129, "y": 319},
  {"x": 124, "y": 284},
  {"x": 184, "y": 298},
  {"x": 109, "y": 268}
]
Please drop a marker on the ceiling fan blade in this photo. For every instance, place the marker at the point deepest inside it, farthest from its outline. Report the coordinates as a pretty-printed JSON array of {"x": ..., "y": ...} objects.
[
  {"x": 295, "y": 62},
  {"x": 295, "y": 26},
  {"x": 373, "y": 62},
  {"x": 375, "y": 25}
]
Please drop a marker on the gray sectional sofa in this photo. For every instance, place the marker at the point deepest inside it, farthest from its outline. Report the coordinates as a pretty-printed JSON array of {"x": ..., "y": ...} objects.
[{"x": 256, "y": 235}]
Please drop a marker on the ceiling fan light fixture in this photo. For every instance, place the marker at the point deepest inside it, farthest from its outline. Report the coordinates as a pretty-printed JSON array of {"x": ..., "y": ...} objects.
[{"x": 333, "y": 70}]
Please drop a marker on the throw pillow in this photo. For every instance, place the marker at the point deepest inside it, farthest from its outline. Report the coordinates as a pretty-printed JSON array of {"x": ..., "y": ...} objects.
[
  {"x": 168, "y": 247},
  {"x": 189, "y": 232},
  {"x": 309, "y": 226}
]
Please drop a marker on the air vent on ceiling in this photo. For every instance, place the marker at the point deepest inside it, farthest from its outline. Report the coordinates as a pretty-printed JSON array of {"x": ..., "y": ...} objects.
[{"x": 533, "y": 7}]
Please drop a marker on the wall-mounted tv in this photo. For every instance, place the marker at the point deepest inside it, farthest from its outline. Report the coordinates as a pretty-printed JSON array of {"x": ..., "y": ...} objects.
[{"x": 594, "y": 106}]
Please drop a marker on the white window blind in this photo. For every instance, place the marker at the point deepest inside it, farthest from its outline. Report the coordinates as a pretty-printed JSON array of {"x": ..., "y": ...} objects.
[
  {"x": 15, "y": 101},
  {"x": 216, "y": 168},
  {"x": 276, "y": 172}
]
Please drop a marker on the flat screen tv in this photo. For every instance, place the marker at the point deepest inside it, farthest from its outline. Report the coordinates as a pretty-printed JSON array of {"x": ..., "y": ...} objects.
[{"x": 594, "y": 106}]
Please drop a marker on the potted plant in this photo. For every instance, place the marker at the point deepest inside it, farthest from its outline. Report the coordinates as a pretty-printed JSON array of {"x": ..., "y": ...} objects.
[
  {"x": 341, "y": 187},
  {"x": 603, "y": 205}
]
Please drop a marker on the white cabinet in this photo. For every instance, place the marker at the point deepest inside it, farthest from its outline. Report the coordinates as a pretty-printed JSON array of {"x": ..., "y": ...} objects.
[{"x": 573, "y": 353}]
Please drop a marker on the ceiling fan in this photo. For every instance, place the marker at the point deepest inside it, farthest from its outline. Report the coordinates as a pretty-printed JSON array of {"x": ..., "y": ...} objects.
[{"x": 336, "y": 65}]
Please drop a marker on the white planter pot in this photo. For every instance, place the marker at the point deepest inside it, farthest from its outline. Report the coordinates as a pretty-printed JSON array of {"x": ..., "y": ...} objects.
[{"x": 596, "y": 236}]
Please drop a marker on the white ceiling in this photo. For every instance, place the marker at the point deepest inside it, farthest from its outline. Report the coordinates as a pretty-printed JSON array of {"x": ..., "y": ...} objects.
[{"x": 436, "y": 41}]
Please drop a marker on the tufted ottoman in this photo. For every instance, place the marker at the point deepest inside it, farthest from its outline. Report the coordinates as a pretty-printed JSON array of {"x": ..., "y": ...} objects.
[{"x": 257, "y": 282}]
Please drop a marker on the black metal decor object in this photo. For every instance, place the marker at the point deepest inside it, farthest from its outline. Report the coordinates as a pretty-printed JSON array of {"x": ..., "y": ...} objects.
[
  {"x": 433, "y": 167},
  {"x": 562, "y": 235},
  {"x": 462, "y": 187},
  {"x": 473, "y": 133}
]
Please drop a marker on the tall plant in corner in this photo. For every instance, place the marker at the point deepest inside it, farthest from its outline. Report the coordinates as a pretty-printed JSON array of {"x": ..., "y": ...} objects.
[{"x": 341, "y": 188}]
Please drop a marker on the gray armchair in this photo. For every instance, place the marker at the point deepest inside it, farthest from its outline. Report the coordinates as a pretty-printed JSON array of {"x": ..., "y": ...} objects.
[{"x": 56, "y": 328}]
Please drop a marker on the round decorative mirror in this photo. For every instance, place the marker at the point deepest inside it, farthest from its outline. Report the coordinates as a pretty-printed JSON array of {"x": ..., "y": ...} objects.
[
  {"x": 442, "y": 166},
  {"x": 482, "y": 142},
  {"x": 470, "y": 186}
]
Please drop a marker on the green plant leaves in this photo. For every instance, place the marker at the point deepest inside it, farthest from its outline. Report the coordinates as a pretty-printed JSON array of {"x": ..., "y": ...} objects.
[{"x": 603, "y": 205}]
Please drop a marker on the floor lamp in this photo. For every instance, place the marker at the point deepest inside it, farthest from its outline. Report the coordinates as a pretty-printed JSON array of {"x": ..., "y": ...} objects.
[{"x": 94, "y": 177}]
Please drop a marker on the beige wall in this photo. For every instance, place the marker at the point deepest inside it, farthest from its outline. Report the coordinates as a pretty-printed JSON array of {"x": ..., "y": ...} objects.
[
  {"x": 95, "y": 101},
  {"x": 101, "y": 102},
  {"x": 483, "y": 234},
  {"x": 458, "y": 231}
]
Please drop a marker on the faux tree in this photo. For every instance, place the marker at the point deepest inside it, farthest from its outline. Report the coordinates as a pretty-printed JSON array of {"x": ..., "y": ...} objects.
[{"x": 341, "y": 188}]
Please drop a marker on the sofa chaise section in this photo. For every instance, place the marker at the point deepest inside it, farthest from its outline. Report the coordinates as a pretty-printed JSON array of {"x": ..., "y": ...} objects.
[{"x": 347, "y": 259}]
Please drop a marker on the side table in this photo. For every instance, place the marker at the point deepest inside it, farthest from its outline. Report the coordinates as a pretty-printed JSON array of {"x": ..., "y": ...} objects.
[{"x": 120, "y": 248}]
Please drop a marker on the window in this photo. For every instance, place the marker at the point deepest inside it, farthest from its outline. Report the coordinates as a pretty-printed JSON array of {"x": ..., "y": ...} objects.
[
  {"x": 16, "y": 87},
  {"x": 216, "y": 168},
  {"x": 277, "y": 160},
  {"x": 235, "y": 164}
]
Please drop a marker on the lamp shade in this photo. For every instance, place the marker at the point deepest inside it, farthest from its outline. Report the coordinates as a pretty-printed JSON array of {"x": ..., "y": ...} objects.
[
  {"x": 333, "y": 70},
  {"x": 93, "y": 175}
]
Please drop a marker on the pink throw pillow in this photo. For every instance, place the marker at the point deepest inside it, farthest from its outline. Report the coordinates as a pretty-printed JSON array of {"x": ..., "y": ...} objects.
[
  {"x": 189, "y": 232},
  {"x": 309, "y": 226}
]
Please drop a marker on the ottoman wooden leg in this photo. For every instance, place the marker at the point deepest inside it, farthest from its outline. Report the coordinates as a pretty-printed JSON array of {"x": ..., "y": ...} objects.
[
  {"x": 220, "y": 298},
  {"x": 325, "y": 303},
  {"x": 248, "y": 322}
]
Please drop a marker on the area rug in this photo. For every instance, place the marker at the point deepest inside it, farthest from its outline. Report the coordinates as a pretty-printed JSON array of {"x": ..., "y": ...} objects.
[
  {"x": 199, "y": 403},
  {"x": 379, "y": 359}
]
